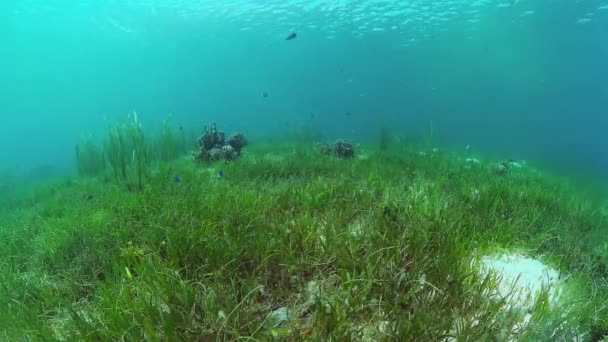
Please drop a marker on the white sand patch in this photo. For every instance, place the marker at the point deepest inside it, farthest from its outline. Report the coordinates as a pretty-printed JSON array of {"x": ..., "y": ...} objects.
[{"x": 522, "y": 279}]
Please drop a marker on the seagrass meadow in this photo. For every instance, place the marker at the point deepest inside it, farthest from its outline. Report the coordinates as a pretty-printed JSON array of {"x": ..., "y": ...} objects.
[
  {"x": 303, "y": 170},
  {"x": 288, "y": 244}
]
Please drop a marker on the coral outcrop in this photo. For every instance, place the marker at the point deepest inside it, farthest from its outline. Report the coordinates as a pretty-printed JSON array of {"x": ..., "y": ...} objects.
[
  {"x": 505, "y": 167},
  {"x": 344, "y": 149},
  {"x": 341, "y": 149},
  {"x": 212, "y": 145}
]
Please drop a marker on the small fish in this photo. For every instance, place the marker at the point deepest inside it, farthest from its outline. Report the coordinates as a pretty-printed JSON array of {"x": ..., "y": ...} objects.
[
  {"x": 264, "y": 94},
  {"x": 177, "y": 179},
  {"x": 220, "y": 173},
  {"x": 348, "y": 114},
  {"x": 291, "y": 36}
]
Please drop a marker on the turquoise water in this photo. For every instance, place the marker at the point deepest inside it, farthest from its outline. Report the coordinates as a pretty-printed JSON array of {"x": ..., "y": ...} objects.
[{"x": 515, "y": 78}]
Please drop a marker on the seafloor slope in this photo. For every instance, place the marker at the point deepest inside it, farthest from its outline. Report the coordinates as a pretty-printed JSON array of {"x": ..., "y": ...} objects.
[{"x": 289, "y": 244}]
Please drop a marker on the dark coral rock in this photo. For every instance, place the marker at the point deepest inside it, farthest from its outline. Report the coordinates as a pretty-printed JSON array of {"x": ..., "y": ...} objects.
[
  {"x": 344, "y": 149},
  {"x": 212, "y": 145},
  {"x": 211, "y": 138},
  {"x": 237, "y": 141},
  {"x": 341, "y": 149}
]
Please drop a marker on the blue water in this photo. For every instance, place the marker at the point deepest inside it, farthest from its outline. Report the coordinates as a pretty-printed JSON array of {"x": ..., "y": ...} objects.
[{"x": 514, "y": 78}]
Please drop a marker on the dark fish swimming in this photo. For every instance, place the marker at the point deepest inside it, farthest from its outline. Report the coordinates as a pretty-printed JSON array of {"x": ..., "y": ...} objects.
[
  {"x": 177, "y": 179},
  {"x": 220, "y": 173},
  {"x": 291, "y": 36},
  {"x": 264, "y": 94}
]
